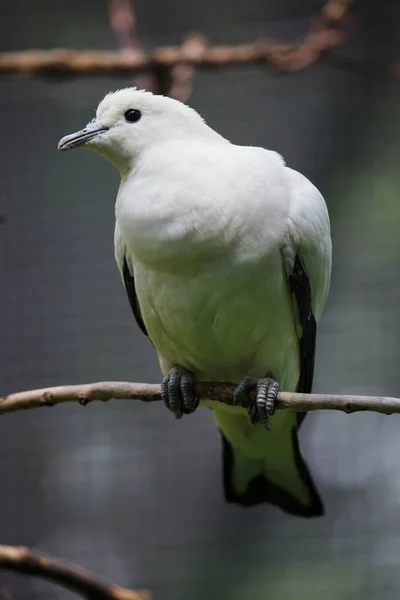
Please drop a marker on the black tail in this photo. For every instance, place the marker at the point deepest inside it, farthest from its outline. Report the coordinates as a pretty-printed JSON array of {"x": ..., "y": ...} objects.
[{"x": 282, "y": 480}]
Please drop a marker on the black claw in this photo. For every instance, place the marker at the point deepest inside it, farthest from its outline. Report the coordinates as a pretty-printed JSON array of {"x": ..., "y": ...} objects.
[
  {"x": 177, "y": 392},
  {"x": 174, "y": 393},
  {"x": 190, "y": 402},
  {"x": 240, "y": 393},
  {"x": 164, "y": 391},
  {"x": 253, "y": 414},
  {"x": 267, "y": 391}
]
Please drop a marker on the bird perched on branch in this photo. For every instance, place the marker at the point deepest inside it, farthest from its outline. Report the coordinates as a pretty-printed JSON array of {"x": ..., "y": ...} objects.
[{"x": 225, "y": 254}]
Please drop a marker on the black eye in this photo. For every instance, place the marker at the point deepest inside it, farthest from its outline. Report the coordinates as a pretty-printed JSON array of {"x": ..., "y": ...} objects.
[{"x": 133, "y": 115}]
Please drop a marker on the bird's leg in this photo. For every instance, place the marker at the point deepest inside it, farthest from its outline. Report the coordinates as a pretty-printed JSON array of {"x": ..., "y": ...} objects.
[
  {"x": 267, "y": 391},
  {"x": 177, "y": 392}
]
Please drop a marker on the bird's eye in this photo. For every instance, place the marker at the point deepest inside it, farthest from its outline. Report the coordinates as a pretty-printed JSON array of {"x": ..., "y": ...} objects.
[{"x": 133, "y": 115}]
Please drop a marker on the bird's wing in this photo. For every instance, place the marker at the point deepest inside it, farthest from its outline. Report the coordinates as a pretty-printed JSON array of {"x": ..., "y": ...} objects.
[
  {"x": 280, "y": 476},
  {"x": 307, "y": 258},
  {"x": 126, "y": 270}
]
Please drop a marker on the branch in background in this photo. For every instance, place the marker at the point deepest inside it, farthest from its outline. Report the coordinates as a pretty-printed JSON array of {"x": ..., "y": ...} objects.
[
  {"x": 175, "y": 82},
  {"x": 182, "y": 74},
  {"x": 91, "y": 62},
  {"x": 220, "y": 392},
  {"x": 28, "y": 562},
  {"x": 123, "y": 23},
  {"x": 331, "y": 14},
  {"x": 327, "y": 30}
]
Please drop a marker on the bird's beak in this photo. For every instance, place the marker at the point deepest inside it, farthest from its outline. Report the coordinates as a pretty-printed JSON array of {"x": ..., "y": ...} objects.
[{"x": 79, "y": 138}]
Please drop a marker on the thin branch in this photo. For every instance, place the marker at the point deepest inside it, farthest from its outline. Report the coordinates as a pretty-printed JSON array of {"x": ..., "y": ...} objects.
[
  {"x": 97, "y": 62},
  {"x": 29, "y": 562},
  {"x": 92, "y": 62},
  {"x": 220, "y": 392},
  {"x": 182, "y": 74},
  {"x": 173, "y": 66},
  {"x": 123, "y": 22},
  {"x": 325, "y": 32},
  {"x": 177, "y": 81}
]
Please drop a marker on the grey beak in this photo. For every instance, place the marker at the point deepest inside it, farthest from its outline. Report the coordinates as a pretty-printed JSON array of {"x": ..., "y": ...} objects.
[{"x": 79, "y": 138}]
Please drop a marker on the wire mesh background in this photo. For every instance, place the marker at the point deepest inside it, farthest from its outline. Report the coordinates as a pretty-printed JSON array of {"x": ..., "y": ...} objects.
[{"x": 124, "y": 489}]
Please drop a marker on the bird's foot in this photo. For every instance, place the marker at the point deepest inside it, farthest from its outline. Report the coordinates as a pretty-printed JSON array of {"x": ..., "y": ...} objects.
[
  {"x": 177, "y": 392},
  {"x": 264, "y": 407}
]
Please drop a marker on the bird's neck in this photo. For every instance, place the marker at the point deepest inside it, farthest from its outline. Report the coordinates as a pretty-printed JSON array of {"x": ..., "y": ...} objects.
[{"x": 165, "y": 223}]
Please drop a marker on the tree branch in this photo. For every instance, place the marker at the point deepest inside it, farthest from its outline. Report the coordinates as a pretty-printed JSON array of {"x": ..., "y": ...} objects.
[
  {"x": 327, "y": 30},
  {"x": 92, "y": 62},
  {"x": 123, "y": 22},
  {"x": 29, "y": 562},
  {"x": 181, "y": 76},
  {"x": 77, "y": 62},
  {"x": 220, "y": 392}
]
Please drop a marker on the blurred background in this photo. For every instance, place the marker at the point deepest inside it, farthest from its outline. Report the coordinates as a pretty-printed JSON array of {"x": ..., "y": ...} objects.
[{"x": 123, "y": 489}]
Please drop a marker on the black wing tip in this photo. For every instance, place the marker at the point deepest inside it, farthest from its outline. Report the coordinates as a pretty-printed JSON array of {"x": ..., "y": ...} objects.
[
  {"x": 262, "y": 491},
  {"x": 131, "y": 291},
  {"x": 300, "y": 286}
]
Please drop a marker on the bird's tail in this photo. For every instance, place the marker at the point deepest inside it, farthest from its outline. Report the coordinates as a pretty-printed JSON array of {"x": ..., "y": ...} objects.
[{"x": 266, "y": 466}]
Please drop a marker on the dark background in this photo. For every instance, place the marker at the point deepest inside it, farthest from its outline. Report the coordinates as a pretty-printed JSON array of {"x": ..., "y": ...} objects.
[{"x": 123, "y": 489}]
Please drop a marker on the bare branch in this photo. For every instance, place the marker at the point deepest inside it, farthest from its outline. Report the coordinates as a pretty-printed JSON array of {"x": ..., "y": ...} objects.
[
  {"x": 123, "y": 22},
  {"x": 174, "y": 65},
  {"x": 182, "y": 74},
  {"x": 28, "y": 62},
  {"x": 29, "y": 562},
  {"x": 220, "y": 392},
  {"x": 92, "y": 62}
]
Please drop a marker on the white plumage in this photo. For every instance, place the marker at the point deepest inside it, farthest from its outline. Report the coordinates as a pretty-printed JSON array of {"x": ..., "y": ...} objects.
[{"x": 210, "y": 232}]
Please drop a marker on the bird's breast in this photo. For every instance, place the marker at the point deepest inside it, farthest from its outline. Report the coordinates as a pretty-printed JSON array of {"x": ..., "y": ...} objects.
[{"x": 222, "y": 322}]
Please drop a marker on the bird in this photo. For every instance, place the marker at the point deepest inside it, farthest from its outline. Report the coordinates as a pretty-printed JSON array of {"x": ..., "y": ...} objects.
[{"x": 225, "y": 253}]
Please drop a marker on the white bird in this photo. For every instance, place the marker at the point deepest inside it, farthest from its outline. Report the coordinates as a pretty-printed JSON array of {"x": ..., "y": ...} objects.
[{"x": 225, "y": 253}]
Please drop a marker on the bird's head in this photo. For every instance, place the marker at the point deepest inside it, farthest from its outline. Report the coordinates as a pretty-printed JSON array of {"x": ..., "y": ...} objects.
[{"x": 129, "y": 121}]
